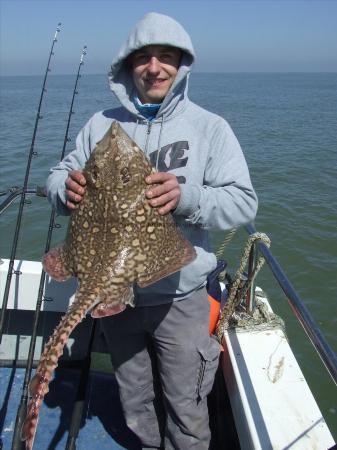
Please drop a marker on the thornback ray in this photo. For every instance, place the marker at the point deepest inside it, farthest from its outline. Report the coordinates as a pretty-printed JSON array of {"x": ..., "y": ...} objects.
[{"x": 114, "y": 240}]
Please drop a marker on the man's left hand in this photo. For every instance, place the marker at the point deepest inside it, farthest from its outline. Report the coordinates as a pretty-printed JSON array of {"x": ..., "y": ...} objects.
[{"x": 166, "y": 195}]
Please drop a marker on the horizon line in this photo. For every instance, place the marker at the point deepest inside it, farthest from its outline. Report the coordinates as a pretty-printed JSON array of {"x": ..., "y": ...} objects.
[{"x": 266, "y": 72}]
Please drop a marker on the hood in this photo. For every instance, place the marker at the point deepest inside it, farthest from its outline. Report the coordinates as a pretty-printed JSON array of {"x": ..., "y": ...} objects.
[{"x": 153, "y": 29}]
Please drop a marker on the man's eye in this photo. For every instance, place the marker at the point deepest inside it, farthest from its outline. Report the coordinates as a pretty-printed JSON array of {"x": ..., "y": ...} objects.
[
  {"x": 170, "y": 57},
  {"x": 167, "y": 55},
  {"x": 140, "y": 58}
]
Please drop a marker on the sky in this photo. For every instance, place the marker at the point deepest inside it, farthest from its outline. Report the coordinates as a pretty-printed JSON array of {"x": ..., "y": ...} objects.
[{"x": 228, "y": 36}]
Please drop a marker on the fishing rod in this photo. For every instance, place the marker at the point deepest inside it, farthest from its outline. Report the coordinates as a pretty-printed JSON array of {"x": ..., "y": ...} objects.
[
  {"x": 77, "y": 414},
  {"x": 21, "y": 414},
  {"x": 23, "y": 193}
]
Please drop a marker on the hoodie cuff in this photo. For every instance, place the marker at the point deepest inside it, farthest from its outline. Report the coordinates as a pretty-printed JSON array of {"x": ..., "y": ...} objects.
[
  {"x": 189, "y": 200},
  {"x": 61, "y": 202},
  {"x": 57, "y": 199}
]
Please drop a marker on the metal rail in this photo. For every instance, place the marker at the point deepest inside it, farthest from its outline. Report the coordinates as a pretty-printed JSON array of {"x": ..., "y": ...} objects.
[
  {"x": 15, "y": 192},
  {"x": 302, "y": 314}
]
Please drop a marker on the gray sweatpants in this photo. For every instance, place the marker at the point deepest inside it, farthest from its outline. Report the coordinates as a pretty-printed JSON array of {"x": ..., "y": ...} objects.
[{"x": 165, "y": 363}]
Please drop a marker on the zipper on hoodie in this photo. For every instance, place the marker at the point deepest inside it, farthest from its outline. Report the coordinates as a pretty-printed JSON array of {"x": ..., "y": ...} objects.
[{"x": 148, "y": 131}]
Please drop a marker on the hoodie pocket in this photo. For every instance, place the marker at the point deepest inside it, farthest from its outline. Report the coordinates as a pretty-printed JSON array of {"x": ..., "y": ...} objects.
[{"x": 209, "y": 361}]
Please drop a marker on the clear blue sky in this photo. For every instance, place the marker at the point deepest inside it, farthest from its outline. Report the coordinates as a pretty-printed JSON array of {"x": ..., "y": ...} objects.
[{"x": 229, "y": 36}]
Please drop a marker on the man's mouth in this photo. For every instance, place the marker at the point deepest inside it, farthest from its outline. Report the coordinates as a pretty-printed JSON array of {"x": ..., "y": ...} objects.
[{"x": 157, "y": 82}]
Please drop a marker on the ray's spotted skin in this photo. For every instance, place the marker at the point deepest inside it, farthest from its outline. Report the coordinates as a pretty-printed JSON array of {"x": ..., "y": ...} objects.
[{"x": 114, "y": 239}]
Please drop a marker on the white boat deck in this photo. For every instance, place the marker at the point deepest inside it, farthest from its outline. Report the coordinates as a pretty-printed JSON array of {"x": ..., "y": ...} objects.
[{"x": 272, "y": 404}]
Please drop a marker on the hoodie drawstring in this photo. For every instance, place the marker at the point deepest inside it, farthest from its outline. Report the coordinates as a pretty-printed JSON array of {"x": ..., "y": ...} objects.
[
  {"x": 159, "y": 141},
  {"x": 146, "y": 144},
  {"x": 135, "y": 129}
]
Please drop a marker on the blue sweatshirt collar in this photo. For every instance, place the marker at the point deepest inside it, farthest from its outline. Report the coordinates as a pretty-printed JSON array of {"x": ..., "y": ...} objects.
[{"x": 148, "y": 110}]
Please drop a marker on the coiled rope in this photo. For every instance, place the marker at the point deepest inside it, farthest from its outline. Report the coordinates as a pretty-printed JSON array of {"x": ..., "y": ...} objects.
[{"x": 239, "y": 288}]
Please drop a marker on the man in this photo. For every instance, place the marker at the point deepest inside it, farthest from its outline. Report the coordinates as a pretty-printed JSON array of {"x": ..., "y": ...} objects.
[{"x": 161, "y": 350}]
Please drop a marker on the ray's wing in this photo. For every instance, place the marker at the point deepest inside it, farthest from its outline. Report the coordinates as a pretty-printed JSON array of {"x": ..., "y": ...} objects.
[
  {"x": 165, "y": 250},
  {"x": 55, "y": 263},
  {"x": 113, "y": 300}
]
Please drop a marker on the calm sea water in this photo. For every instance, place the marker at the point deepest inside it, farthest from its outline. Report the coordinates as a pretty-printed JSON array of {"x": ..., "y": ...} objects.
[{"x": 286, "y": 124}]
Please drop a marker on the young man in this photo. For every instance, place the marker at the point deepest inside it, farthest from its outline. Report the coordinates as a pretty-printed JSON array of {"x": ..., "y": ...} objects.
[{"x": 161, "y": 350}]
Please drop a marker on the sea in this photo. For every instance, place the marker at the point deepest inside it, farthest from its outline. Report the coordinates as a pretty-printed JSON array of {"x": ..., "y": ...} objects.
[{"x": 286, "y": 124}]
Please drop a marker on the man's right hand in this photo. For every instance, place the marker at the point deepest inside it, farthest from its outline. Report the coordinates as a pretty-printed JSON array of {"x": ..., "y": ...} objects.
[{"x": 75, "y": 188}]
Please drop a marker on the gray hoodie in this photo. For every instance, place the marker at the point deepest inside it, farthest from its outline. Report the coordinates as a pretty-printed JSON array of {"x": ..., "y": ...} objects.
[{"x": 196, "y": 145}]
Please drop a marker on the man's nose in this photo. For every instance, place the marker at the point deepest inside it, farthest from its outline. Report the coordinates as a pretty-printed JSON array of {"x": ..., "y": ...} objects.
[{"x": 154, "y": 64}]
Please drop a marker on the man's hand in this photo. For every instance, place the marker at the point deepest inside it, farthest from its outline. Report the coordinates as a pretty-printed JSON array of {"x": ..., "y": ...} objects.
[
  {"x": 75, "y": 184},
  {"x": 165, "y": 196}
]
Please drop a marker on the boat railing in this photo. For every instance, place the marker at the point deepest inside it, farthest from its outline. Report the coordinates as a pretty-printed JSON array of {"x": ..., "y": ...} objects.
[
  {"x": 301, "y": 312},
  {"x": 14, "y": 192}
]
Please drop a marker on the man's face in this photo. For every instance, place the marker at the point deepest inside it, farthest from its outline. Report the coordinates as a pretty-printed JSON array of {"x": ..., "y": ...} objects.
[{"x": 154, "y": 69}]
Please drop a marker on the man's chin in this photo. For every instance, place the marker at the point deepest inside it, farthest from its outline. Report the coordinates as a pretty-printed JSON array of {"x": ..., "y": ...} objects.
[{"x": 155, "y": 96}]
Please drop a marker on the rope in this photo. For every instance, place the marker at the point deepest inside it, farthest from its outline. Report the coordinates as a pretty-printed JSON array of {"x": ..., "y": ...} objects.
[
  {"x": 239, "y": 288},
  {"x": 262, "y": 319},
  {"x": 229, "y": 236},
  {"x": 226, "y": 241}
]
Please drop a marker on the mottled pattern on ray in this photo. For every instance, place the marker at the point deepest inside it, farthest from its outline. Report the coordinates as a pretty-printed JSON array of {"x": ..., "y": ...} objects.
[{"x": 114, "y": 239}]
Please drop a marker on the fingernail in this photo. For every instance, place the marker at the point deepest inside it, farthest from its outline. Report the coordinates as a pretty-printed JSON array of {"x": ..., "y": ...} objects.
[
  {"x": 149, "y": 194},
  {"x": 148, "y": 179}
]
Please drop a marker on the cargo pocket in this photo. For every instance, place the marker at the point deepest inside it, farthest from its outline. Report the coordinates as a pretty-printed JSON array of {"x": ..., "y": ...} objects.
[{"x": 209, "y": 360}]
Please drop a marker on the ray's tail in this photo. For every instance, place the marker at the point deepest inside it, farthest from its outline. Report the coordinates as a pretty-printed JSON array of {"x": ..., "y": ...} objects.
[{"x": 38, "y": 386}]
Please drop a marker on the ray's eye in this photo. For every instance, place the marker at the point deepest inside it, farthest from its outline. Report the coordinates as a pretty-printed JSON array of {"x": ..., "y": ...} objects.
[
  {"x": 125, "y": 175},
  {"x": 94, "y": 174}
]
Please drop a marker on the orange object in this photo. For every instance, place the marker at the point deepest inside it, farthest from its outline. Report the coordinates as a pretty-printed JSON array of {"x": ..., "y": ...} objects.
[
  {"x": 214, "y": 294},
  {"x": 214, "y": 313}
]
